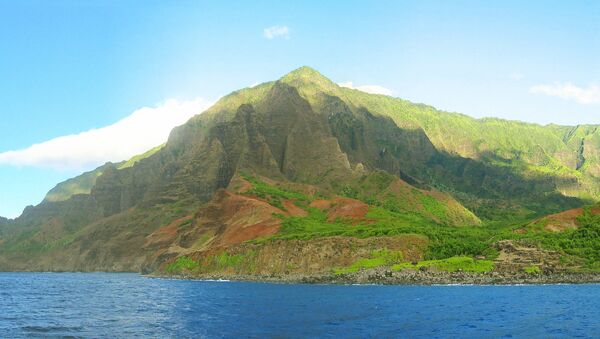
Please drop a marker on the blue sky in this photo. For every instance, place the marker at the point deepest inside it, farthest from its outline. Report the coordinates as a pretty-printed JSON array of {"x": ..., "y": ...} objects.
[{"x": 67, "y": 67}]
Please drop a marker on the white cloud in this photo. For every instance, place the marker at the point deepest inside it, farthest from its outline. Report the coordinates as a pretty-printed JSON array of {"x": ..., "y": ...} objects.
[
  {"x": 276, "y": 32},
  {"x": 373, "y": 89},
  {"x": 145, "y": 128},
  {"x": 569, "y": 91}
]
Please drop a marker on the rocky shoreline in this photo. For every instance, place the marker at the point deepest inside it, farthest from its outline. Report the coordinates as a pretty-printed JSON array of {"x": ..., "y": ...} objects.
[{"x": 383, "y": 276}]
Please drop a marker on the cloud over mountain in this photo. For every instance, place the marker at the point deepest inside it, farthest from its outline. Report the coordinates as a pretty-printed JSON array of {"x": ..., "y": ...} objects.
[
  {"x": 145, "y": 128},
  {"x": 568, "y": 91}
]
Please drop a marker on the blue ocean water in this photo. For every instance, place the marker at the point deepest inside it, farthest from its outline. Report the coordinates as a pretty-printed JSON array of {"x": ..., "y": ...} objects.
[{"x": 128, "y": 305}]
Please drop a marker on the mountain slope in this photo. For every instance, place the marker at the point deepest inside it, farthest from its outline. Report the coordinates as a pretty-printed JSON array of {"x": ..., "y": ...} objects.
[
  {"x": 84, "y": 183},
  {"x": 303, "y": 159},
  {"x": 81, "y": 184},
  {"x": 479, "y": 161}
]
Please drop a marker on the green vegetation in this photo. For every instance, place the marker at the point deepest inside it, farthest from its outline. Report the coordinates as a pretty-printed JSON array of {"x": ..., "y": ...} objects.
[
  {"x": 182, "y": 264},
  {"x": 583, "y": 242},
  {"x": 229, "y": 261},
  {"x": 453, "y": 264},
  {"x": 272, "y": 194},
  {"x": 129, "y": 163},
  {"x": 433, "y": 206},
  {"x": 81, "y": 184},
  {"x": 312, "y": 226},
  {"x": 378, "y": 189},
  {"x": 381, "y": 257},
  {"x": 532, "y": 270},
  {"x": 386, "y": 219},
  {"x": 393, "y": 259},
  {"x": 219, "y": 262},
  {"x": 225, "y": 260},
  {"x": 445, "y": 241}
]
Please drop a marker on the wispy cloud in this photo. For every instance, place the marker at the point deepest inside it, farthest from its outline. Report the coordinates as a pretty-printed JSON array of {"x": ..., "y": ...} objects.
[
  {"x": 145, "y": 128},
  {"x": 277, "y": 32},
  {"x": 568, "y": 91},
  {"x": 373, "y": 89}
]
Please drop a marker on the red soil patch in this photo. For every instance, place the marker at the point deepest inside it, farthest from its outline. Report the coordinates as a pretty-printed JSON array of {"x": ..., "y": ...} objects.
[
  {"x": 346, "y": 208},
  {"x": 564, "y": 220},
  {"x": 321, "y": 204},
  {"x": 343, "y": 208},
  {"x": 165, "y": 235},
  {"x": 238, "y": 236},
  {"x": 293, "y": 210},
  {"x": 243, "y": 218}
]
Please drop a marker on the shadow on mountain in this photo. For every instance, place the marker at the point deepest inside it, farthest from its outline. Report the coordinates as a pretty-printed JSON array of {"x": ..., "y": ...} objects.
[{"x": 491, "y": 186}]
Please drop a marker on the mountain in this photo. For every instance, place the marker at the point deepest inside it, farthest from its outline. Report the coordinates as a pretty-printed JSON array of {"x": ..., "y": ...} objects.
[
  {"x": 84, "y": 183},
  {"x": 81, "y": 184},
  {"x": 300, "y": 175}
]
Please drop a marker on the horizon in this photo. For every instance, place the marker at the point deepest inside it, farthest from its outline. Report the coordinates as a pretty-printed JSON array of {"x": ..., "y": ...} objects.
[{"x": 162, "y": 63}]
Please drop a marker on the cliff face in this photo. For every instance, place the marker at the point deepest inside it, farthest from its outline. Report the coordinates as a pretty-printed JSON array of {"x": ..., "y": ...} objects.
[{"x": 277, "y": 148}]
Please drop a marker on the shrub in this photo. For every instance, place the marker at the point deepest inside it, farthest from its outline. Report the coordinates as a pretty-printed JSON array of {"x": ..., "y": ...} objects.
[
  {"x": 532, "y": 270},
  {"x": 182, "y": 264}
]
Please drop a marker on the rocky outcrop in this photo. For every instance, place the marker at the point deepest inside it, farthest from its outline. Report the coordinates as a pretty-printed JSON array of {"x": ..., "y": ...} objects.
[
  {"x": 303, "y": 257},
  {"x": 386, "y": 276},
  {"x": 515, "y": 257},
  {"x": 415, "y": 277}
]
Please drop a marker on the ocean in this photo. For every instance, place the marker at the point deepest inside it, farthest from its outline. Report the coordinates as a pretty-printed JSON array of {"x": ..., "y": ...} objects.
[{"x": 130, "y": 305}]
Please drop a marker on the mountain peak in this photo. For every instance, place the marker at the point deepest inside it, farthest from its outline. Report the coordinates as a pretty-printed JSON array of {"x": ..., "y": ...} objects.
[
  {"x": 305, "y": 72},
  {"x": 305, "y": 76}
]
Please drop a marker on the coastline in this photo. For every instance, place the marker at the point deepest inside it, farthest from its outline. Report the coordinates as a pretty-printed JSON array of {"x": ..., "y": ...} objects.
[
  {"x": 380, "y": 276},
  {"x": 405, "y": 277}
]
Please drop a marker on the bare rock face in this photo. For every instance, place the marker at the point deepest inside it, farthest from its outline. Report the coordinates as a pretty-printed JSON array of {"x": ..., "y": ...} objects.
[
  {"x": 515, "y": 257},
  {"x": 314, "y": 256}
]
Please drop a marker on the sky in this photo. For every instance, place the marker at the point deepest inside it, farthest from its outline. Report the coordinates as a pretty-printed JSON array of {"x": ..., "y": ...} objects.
[{"x": 85, "y": 82}]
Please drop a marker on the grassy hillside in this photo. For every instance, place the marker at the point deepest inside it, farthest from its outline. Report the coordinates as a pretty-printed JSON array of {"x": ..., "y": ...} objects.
[
  {"x": 140, "y": 157},
  {"x": 404, "y": 241}
]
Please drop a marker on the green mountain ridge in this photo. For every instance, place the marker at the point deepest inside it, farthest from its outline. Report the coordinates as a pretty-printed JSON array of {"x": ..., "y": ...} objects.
[
  {"x": 81, "y": 184},
  {"x": 299, "y": 158},
  {"x": 84, "y": 183}
]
